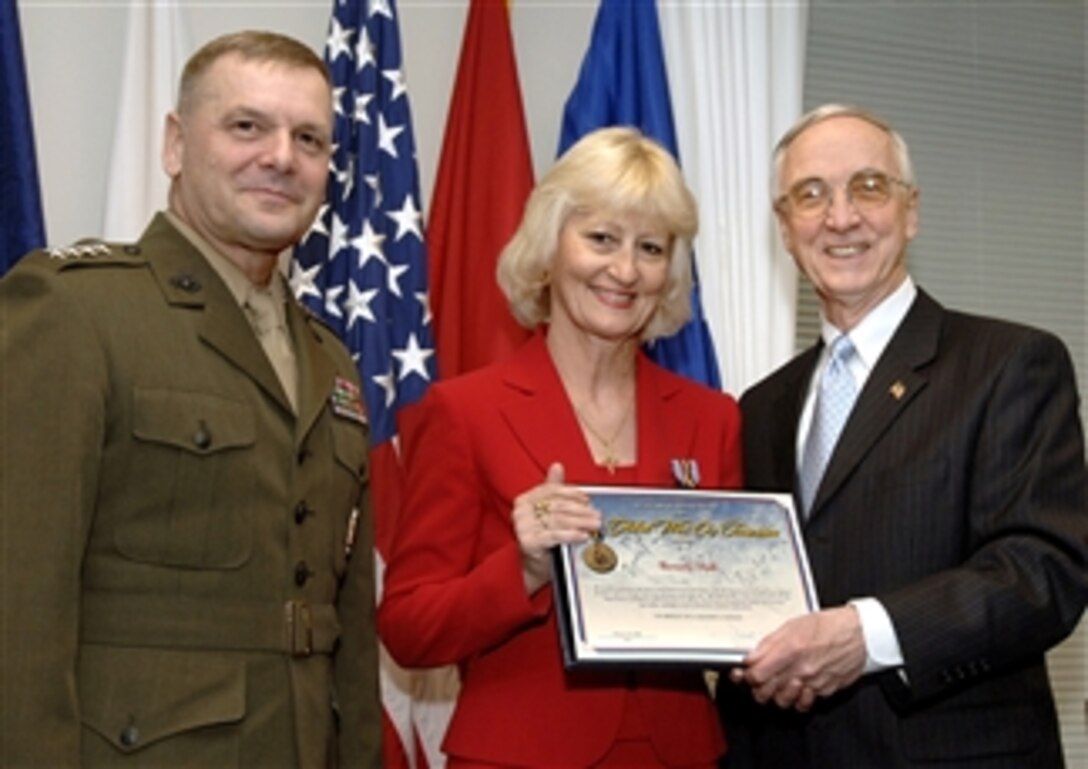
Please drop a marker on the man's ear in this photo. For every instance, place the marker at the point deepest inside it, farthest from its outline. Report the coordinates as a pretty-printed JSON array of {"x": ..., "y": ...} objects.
[
  {"x": 173, "y": 145},
  {"x": 784, "y": 228},
  {"x": 913, "y": 212}
]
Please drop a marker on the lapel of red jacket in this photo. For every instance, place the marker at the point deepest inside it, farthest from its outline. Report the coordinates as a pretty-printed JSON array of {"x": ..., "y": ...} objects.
[{"x": 545, "y": 424}]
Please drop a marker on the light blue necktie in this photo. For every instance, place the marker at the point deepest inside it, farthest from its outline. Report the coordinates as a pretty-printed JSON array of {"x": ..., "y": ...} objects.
[{"x": 833, "y": 403}]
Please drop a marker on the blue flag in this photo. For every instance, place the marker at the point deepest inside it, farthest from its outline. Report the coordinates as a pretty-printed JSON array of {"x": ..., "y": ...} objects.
[
  {"x": 21, "y": 225},
  {"x": 623, "y": 82},
  {"x": 363, "y": 265}
]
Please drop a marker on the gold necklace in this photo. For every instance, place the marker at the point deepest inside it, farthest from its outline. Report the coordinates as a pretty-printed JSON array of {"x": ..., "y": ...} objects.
[{"x": 609, "y": 444}]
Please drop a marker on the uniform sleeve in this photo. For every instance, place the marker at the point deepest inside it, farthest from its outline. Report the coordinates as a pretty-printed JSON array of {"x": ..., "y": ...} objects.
[
  {"x": 1023, "y": 585},
  {"x": 444, "y": 602},
  {"x": 53, "y": 393}
]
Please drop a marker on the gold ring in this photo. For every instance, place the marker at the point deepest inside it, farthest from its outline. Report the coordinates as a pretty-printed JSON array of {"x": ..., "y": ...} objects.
[{"x": 540, "y": 510}]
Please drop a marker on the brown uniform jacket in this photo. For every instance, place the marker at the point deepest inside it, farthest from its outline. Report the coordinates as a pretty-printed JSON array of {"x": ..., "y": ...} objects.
[{"x": 186, "y": 566}]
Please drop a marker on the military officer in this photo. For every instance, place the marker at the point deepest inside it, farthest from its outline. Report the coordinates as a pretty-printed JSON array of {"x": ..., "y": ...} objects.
[{"x": 185, "y": 532}]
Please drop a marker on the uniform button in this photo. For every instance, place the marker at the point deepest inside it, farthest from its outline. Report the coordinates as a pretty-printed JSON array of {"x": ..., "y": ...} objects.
[
  {"x": 130, "y": 735},
  {"x": 202, "y": 438},
  {"x": 186, "y": 283},
  {"x": 131, "y": 249},
  {"x": 301, "y": 511},
  {"x": 302, "y": 573}
]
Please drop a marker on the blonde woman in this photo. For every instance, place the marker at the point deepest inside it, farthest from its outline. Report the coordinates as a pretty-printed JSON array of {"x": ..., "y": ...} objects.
[{"x": 600, "y": 264}]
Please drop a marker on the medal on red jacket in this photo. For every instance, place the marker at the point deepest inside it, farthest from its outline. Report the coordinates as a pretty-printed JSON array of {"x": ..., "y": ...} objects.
[{"x": 686, "y": 473}]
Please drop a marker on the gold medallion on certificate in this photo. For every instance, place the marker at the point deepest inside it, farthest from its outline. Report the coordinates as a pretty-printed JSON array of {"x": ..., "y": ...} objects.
[{"x": 599, "y": 556}]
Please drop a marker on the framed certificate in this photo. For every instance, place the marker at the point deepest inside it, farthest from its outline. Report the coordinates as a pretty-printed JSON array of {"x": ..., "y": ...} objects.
[{"x": 680, "y": 576}]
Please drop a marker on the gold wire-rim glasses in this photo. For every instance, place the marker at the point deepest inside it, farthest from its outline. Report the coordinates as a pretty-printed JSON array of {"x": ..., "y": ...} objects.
[{"x": 866, "y": 190}]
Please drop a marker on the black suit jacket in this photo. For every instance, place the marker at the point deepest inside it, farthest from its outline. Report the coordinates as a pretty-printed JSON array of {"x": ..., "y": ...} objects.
[{"x": 957, "y": 497}]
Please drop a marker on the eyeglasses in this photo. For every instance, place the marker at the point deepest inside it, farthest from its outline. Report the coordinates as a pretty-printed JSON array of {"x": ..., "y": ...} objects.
[{"x": 865, "y": 190}]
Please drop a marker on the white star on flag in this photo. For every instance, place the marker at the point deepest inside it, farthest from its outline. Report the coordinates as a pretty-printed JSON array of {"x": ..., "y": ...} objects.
[
  {"x": 369, "y": 245},
  {"x": 338, "y": 241},
  {"x": 408, "y": 219},
  {"x": 318, "y": 224},
  {"x": 337, "y": 42},
  {"x": 332, "y": 309},
  {"x": 424, "y": 299},
  {"x": 395, "y": 273},
  {"x": 387, "y": 136},
  {"x": 358, "y": 304},
  {"x": 413, "y": 359},
  {"x": 389, "y": 387},
  {"x": 364, "y": 51},
  {"x": 380, "y": 7},
  {"x": 396, "y": 77},
  {"x": 303, "y": 281},
  {"x": 362, "y": 101}
]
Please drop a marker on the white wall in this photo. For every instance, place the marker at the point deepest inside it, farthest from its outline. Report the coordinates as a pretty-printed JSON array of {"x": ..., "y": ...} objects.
[{"x": 74, "y": 54}]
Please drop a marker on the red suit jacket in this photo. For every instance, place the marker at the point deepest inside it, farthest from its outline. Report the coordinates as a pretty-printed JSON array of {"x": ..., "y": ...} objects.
[{"x": 454, "y": 589}]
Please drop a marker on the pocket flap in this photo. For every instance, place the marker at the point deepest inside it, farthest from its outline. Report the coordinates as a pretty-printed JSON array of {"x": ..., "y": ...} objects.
[
  {"x": 201, "y": 423},
  {"x": 135, "y": 697}
]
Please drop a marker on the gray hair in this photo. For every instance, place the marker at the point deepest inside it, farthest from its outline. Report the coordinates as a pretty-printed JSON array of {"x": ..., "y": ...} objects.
[{"x": 828, "y": 111}]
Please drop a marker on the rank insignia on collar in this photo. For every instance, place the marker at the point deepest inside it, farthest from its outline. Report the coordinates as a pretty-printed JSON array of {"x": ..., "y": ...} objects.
[
  {"x": 79, "y": 251},
  {"x": 686, "y": 473},
  {"x": 347, "y": 401},
  {"x": 898, "y": 390}
]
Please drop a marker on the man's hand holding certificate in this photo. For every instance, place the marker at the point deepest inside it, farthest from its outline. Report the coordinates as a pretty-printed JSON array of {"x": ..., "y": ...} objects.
[{"x": 680, "y": 577}]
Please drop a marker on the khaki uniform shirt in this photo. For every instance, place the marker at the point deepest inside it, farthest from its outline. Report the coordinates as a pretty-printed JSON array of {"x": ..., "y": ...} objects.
[{"x": 265, "y": 308}]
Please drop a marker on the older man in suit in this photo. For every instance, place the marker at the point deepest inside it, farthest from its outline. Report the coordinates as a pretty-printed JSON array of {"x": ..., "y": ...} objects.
[
  {"x": 187, "y": 578},
  {"x": 944, "y": 509}
]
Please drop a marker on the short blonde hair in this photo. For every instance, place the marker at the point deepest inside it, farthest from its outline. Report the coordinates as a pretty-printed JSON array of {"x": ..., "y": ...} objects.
[
  {"x": 614, "y": 169},
  {"x": 250, "y": 45}
]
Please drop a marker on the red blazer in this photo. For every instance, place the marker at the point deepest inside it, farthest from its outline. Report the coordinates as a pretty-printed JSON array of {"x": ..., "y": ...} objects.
[{"x": 453, "y": 587}]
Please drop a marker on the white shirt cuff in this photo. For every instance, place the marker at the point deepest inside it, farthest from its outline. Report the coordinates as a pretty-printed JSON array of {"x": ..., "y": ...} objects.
[{"x": 881, "y": 644}]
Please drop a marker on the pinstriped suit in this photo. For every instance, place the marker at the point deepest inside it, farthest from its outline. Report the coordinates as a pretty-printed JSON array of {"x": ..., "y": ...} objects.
[{"x": 957, "y": 497}]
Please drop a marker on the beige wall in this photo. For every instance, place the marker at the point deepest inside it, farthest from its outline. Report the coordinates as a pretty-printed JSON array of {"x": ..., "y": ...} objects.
[{"x": 74, "y": 54}]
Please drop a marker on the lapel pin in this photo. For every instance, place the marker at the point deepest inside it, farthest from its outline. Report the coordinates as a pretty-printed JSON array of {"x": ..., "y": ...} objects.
[{"x": 898, "y": 390}]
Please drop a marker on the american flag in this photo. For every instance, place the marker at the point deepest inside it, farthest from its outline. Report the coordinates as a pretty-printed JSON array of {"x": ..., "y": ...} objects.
[
  {"x": 363, "y": 268},
  {"x": 363, "y": 264}
]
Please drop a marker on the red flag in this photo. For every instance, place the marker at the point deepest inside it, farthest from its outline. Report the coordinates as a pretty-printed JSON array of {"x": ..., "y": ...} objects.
[{"x": 484, "y": 176}]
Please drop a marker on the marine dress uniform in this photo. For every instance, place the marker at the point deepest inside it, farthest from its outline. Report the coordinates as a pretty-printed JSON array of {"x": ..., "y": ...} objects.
[{"x": 187, "y": 573}]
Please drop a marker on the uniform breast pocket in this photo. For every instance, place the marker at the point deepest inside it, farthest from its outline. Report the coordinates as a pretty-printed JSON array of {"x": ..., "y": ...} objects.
[{"x": 191, "y": 480}]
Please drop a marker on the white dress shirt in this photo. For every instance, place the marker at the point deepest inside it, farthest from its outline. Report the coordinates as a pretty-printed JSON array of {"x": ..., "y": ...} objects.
[{"x": 870, "y": 337}]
